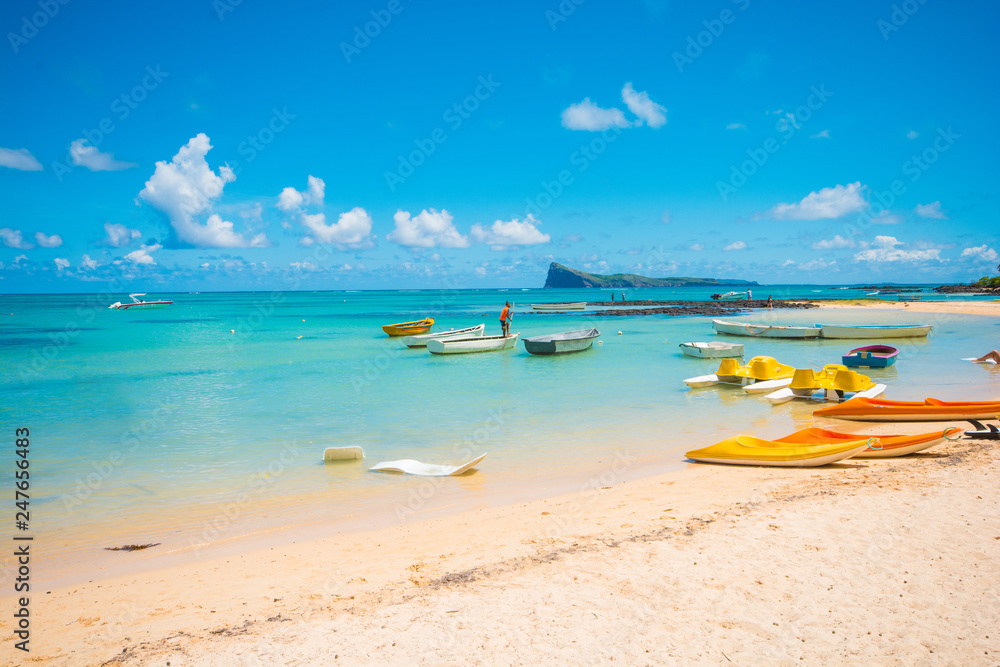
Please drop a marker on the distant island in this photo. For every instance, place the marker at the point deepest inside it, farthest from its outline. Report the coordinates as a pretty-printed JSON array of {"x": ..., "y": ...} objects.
[{"x": 563, "y": 277}]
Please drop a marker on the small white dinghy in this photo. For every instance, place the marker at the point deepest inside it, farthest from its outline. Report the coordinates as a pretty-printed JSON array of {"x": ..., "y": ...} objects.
[
  {"x": 411, "y": 467},
  {"x": 467, "y": 344},
  {"x": 713, "y": 350},
  {"x": 420, "y": 340}
]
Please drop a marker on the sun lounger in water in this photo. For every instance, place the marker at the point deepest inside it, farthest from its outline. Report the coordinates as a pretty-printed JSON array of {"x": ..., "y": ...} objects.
[{"x": 412, "y": 467}]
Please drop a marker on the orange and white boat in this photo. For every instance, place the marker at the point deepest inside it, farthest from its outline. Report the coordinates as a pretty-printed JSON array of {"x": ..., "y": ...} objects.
[
  {"x": 879, "y": 446},
  {"x": 930, "y": 409}
]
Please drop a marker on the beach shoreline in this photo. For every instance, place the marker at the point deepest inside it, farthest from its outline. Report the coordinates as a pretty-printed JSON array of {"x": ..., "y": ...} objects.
[{"x": 362, "y": 594}]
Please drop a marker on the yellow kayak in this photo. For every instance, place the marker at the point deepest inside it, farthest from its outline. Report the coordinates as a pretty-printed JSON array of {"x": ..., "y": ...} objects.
[
  {"x": 409, "y": 328},
  {"x": 750, "y": 451}
]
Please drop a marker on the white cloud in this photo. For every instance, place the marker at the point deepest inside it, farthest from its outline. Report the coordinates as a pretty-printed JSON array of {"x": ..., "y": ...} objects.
[
  {"x": 981, "y": 253},
  {"x": 53, "y": 241},
  {"x": 697, "y": 247},
  {"x": 588, "y": 116},
  {"x": 87, "y": 263},
  {"x": 787, "y": 262},
  {"x": 20, "y": 158},
  {"x": 932, "y": 210},
  {"x": 825, "y": 134},
  {"x": 119, "y": 235},
  {"x": 736, "y": 245},
  {"x": 12, "y": 239},
  {"x": 817, "y": 264},
  {"x": 428, "y": 229},
  {"x": 837, "y": 241},
  {"x": 61, "y": 263},
  {"x": 887, "y": 218},
  {"x": 884, "y": 250},
  {"x": 912, "y": 134},
  {"x": 88, "y": 156},
  {"x": 317, "y": 190},
  {"x": 290, "y": 199},
  {"x": 142, "y": 256},
  {"x": 185, "y": 188},
  {"x": 827, "y": 203},
  {"x": 351, "y": 229},
  {"x": 502, "y": 234},
  {"x": 736, "y": 126},
  {"x": 646, "y": 109}
]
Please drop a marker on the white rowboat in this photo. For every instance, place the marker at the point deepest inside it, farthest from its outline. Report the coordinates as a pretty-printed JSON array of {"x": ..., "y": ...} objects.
[
  {"x": 713, "y": 350},
  {"x": 576, "y": 305},
  {"x": 471, "y": 344},
  {"x": 421, "y": 339},
  {"x": 764, "y": 330},
  {"x": 875, "y": 331}
]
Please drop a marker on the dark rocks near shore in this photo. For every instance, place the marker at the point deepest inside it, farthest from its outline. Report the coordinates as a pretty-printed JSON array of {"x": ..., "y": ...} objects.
[
  {"x": 966, "y": 289},
  {"x": 705, "y": 308}
]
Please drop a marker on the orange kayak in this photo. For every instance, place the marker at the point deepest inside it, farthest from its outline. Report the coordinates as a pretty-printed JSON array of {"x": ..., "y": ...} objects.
[
  {"x": 879, "y": 446},
  {"x": 930, "y": 409}
]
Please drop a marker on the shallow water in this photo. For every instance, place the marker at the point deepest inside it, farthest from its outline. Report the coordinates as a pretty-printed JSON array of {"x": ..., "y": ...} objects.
[{"x": 207, "y": 420}]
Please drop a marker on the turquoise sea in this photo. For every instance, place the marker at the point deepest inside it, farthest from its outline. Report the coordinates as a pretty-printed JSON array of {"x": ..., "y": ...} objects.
[{"x": 204, "y": 423}]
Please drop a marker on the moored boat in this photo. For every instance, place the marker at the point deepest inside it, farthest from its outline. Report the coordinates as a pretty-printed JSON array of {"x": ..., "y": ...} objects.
[
  {"x": 409, "y": 328},
  {"x": 559, "y": 343},
  {"x": 751, "y": 451},
  {"x": 834, "y": 383},
  {"x": 421, "y": 339},
  {"x": 879, "y": 446},
  {"x": 575, "y": 305},
  {"x": 764, "y": 330},
  {"x": 729, "y": 296},
  {"x": 137, "y": 304},
  {"x": 759, "y": 370},
  {"x": 471, "y": 344},
  {"x": 871, "y": 356},
  {"x": 874, "y": 331},
  {"x": 930, "y": 409},
  {"x": 712, "y": 350}
]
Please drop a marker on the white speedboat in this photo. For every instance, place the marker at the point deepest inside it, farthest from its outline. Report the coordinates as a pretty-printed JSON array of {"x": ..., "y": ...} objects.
[
  {"x": 764, "y": 330},
  {"x": 713, "y": 350},
  {"x": 875, "y": 331},
  {"x": 559, "y": 343},
  {"x": 471, "y": 344},
  {"x": 137, "y": 304},
  {"x": 421, "y": 339}
]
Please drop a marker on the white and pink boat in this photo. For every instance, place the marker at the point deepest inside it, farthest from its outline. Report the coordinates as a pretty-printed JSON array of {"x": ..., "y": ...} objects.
[{"x": 137, "y": 304}]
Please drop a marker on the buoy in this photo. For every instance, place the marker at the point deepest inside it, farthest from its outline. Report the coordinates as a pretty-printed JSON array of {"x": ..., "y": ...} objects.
[
  {"x": 600, "y": 342},
  {"x": 232, "y": 331},
  {"x": 303, "y": 320},
  {"x": 298, "y": 337},
  {"x": 619, "y": 333}
]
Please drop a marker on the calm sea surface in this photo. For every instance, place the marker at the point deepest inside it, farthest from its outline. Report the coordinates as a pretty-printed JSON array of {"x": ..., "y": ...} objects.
[{"x": 206, "y": 421}]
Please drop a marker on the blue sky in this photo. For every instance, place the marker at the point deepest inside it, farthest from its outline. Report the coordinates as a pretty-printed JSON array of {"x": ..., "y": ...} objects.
[{"x": 398, "y": 144}]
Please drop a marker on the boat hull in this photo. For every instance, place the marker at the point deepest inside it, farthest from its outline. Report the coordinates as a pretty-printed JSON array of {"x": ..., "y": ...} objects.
[
  {"x": 764, "y": 330},
  {"x": 875, "y": 331},
  {"x": 880, "y": 446},
  {"x": 931, "y": 409},
  {"x": 871, "y": 356},
  {"x": 747, "y": 450},
  {"x": 145, "y": 305},
  {"x": 712, "y": 350},
  {"x": 562, "y": 343},
  {"x": 576, "y": 305},
  {"x": 421, "y": 339},
  {"x": 471, "y": 344},
  {"x": 409, "y": 328}
]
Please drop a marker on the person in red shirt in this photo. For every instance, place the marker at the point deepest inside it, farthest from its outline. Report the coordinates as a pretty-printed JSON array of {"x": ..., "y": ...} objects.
[{"x": 505, "y": 319}]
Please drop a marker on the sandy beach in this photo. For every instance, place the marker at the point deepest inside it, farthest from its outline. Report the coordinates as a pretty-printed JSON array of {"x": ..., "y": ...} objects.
[{"x": 888, "y": 562}]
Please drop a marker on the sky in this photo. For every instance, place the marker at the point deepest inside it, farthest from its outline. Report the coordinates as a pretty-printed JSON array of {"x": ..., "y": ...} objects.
[{"x": 219, "y": 145}]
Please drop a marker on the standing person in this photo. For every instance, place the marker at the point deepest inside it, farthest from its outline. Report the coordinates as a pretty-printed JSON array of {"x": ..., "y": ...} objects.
[
  {"x": 623, "y": 297},
  {"x": 505, "y": 318},
  {"x": 612, "y": 297},
  {"x": 770, "y": 302},
  {"x": 749, "y": 295}
]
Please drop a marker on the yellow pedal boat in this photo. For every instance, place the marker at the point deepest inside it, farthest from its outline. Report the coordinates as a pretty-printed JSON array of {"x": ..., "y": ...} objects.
[
  {"x": 750, "y": 451},
  {"x": 757, "y": 369},
  {"x": 839, "y": 378},
  {"x": 409, "y": 328}
]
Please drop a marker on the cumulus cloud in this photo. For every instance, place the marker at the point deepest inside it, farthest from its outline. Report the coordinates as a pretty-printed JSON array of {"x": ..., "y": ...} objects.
[
  {"x": 502, "y": 234},
  {"x": 588, "y": 116},
  {"x": 85, "y": 155},
  {"x": 884, "y": 249},
  {"x": 736, "y": 245},
  {"x": 20, "y": 158},
  {"x": 428, "y": 229},
  {"x": 12, "y": 238},
  {"x": 87, "y": 263},
  {"x": 932, "y": 210},
  {"x": 736, "y": 126},
  {"x": 185, "y": 188},
  {"x": 317, "y": 190},
  {"x": 119, "y": 235},
  {"x": 61, "y": 263},
  {"x": 887, "y": 218},
  {"x": 912, "y": 134},
  {"x": 142, "y": 256},
  {"x": 817, "y": 264},
  {"x": 53, "y": 241},
  {"x": 646, "y": 109},
  {"x": 826, "y": 203},
  {"x": 351, "y": 229},
  {"x": 981, "y": 253},
  {"x": 788, "y": 262},
  {"x": 697, "y": 247},
  {"x": 291, "y": 199},
  {"x": 837, "y": 241}
]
